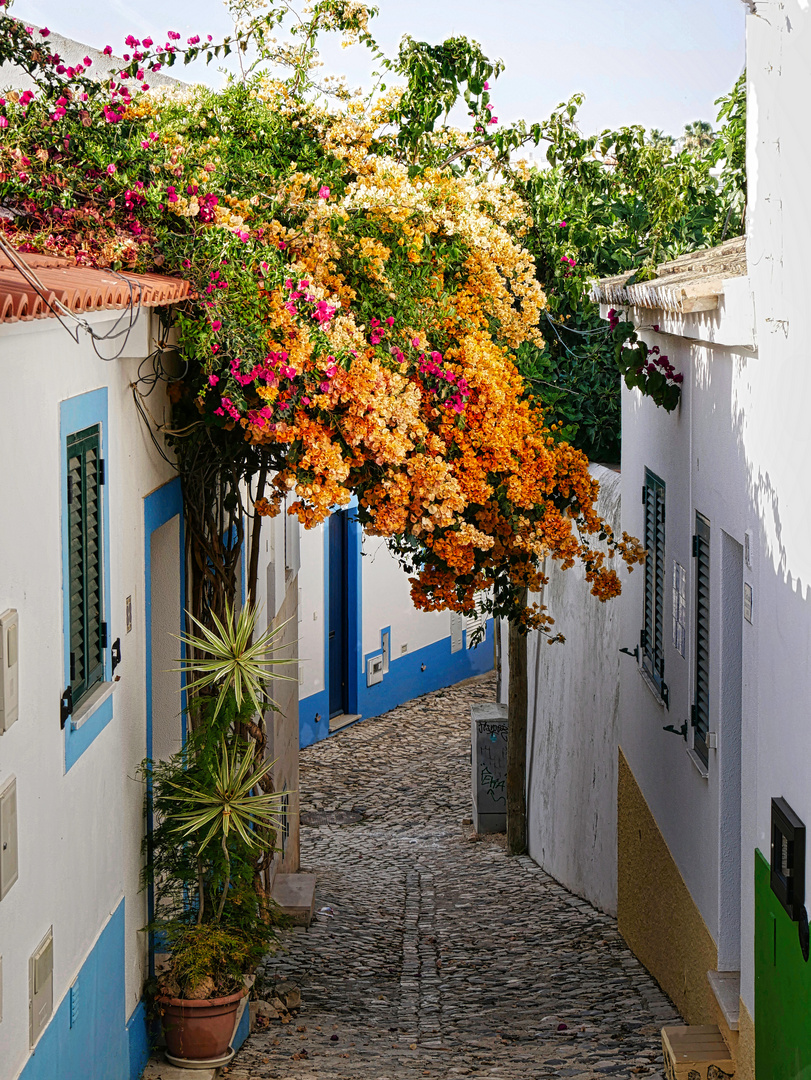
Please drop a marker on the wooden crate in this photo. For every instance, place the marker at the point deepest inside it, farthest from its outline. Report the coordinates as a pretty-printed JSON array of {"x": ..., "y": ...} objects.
[{"x": 696, "y": 1053}]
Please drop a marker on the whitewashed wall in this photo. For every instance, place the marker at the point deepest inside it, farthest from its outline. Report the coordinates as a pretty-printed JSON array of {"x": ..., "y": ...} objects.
[
  {"x": 387, "y": 602},
  {"x": 572, "y": 730},
  {"x": 80, "y": 831},
  {"x": 774, "y": 430}
]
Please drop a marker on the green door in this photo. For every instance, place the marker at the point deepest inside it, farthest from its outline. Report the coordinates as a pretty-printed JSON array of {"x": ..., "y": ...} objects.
[{"x": 782, "y": 988}]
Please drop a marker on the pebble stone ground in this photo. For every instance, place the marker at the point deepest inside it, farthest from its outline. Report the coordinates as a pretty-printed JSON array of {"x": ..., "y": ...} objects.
[{"x": 445, "y": 957}]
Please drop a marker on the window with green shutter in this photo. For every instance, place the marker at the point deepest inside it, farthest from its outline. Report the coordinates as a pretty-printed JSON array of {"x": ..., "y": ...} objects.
[
  {"x": 85, "y": 566},
  {"x": 652, "y": 636},
  {"x": 701, "y": 701}
]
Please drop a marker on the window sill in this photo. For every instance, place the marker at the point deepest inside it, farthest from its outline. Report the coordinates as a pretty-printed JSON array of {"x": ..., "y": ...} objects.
[
  {"x": 651, "y": 685},
  {"x": 89, "y": 705},
  {"x": 703, "y": 769}
]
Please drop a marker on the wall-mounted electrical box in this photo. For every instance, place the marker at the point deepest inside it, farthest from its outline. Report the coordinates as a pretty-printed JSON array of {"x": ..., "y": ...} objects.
[
  {"x": 788, "y": 858},
  {"x": 9, "y": 682},
  {"x": 457, "y": 625},
  {"x": 374, "y": 670},
  {"x": 41, "y": 986},
  {"x": 385, "y": 639},
  {"x": 9, "y": 863}
]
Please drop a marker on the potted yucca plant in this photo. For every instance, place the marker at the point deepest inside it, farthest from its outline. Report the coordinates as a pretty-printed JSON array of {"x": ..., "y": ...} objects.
[{"x": 214, "y": 822}]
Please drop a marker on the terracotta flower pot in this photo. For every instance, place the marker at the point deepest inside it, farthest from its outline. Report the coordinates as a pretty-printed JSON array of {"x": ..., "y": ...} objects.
[{"x": 199, "y": 1030}]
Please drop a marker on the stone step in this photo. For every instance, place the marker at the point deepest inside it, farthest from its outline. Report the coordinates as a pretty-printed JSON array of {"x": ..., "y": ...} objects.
[
  {"x": 295, "y": 895},
  {"x": 726, "y": 985},
  {"x": 696, "y": 1052}
]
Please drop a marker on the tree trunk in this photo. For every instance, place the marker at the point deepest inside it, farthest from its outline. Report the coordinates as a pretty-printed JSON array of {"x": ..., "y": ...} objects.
[{"x": 517, "y": 743}]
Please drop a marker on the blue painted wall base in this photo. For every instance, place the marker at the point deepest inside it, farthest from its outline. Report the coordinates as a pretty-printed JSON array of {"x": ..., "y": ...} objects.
[
  {"x": 404, "y": 680},
  {"x": 243, "y": 1029},
  {"x": 140, "y": 1040},
  {"x": 95, "y": 1046}
]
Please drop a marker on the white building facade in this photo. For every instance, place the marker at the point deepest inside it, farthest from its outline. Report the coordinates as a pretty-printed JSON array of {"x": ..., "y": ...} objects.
[
  {"x": 92, "y": 561},
  {"x": 365, "y": 648},
  {"x": 714, "y": 780}
]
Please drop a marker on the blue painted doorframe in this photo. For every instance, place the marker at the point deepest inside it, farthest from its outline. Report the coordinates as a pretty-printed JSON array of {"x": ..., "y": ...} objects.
[
  {"x": 342, "y": 578},
  {"x": 337, "y": 633}
]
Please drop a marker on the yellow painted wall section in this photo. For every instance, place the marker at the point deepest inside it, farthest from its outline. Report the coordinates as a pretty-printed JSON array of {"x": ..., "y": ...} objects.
[
  {"x": 655, "y": 911},
  {"x": 741, "y": 1043}
]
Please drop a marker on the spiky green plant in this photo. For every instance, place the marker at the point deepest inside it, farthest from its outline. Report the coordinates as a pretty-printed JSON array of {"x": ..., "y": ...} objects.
[
  {"x": 220, "y": 800},
  {"x": 236, "y": 660}
]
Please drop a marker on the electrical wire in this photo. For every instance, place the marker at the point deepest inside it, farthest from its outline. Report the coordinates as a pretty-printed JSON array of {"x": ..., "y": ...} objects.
[
  {"x": 572, "y": 330},
  {"x": 63, "y": 313}
]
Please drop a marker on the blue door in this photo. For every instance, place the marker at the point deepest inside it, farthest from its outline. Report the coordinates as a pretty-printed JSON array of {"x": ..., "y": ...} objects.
[{"x": 337, "y": 525}]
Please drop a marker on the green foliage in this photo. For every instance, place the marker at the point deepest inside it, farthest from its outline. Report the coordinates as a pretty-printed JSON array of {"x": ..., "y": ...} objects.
[
  {"x": 729, "y": 149},
  {"x": 211, "y": 960},
  {"x": 234, "y": 659},
  {"x": 215, "y": 816},
  {"x": 219, "y": 798},
  {"x": 622, "y": 201}
]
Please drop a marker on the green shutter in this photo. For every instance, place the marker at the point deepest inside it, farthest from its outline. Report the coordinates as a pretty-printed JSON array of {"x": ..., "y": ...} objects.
[
  {"x": 653, "y": 659},
  {"x": 85, "y": 561},
  {"x": 701, "y": 705}
]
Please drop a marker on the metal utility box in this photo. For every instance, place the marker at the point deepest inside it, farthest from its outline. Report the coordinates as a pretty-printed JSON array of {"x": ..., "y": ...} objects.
[
  {"x": 9, "y": 861},
  {"x": 488, "y": 730},
  {"x": 9, "y": 663},
  {"x": 41, "y": 986}
]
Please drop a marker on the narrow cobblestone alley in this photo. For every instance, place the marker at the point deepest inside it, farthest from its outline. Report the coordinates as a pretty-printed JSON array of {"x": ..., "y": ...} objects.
[{"x": 444, "y": 957}]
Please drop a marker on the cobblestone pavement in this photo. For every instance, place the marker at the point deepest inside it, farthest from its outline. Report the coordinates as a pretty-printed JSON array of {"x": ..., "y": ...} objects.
[{"x": 444, "y": 957}]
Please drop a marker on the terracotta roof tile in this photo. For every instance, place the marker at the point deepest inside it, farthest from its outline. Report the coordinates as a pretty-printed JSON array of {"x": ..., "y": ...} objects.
[{"x": 81, "y": 289}]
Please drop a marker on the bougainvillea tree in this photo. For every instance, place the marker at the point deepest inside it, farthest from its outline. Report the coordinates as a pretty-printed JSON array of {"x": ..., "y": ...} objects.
[
  {"x": 354, "y": 316},
  {"x": 360, "y": 291}
]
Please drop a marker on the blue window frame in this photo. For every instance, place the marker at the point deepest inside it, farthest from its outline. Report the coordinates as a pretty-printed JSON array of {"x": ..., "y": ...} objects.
[{"x": 85, "y": 568}]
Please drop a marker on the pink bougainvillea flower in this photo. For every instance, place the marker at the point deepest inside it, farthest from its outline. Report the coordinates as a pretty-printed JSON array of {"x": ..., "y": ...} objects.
[
  {"x": 108, "y": 50},
  {"x": 45, "y": 31},
  {"x": 3, "y": 122},
  {"x": 213, "y": 380},
  {"x": 173, "y": 35},
  {"x": 487, "y": 86},
  {"x": 193, "y": 40},
  {"x": 216, "y": 324},
  {"x": 110, "y": 169},
  {"x": 147, "y": 42},
  {"x": 561, "y": 224},
  {"x": 323, "y": 192},
  {"x": 25, "y": 97},
  {"x": 87, "y": 61}
]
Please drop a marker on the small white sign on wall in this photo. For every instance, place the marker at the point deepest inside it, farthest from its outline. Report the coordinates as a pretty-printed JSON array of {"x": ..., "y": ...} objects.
[{"x": 679, "y": 608}]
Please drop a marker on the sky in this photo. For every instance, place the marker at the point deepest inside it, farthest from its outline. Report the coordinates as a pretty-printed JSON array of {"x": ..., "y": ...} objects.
[{"x": 659, "y": 63}]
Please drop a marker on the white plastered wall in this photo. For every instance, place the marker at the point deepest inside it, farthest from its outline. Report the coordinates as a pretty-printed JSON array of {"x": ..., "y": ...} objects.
[
  {"x": 387, "y": 602},
  {"x": 572, "y": 729},
  {"x": 79, "y": 832}
]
